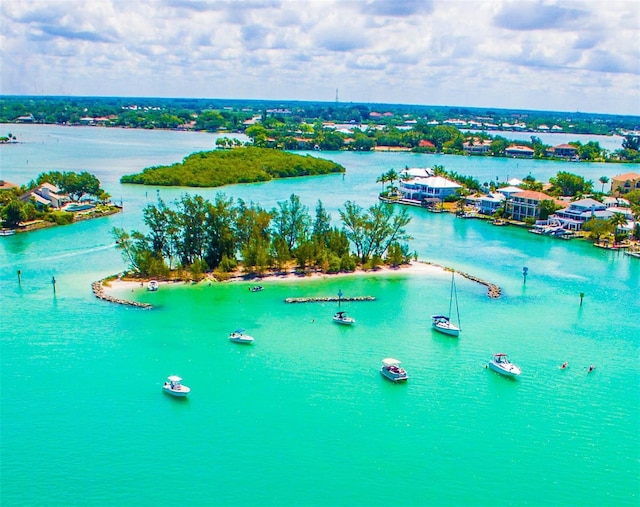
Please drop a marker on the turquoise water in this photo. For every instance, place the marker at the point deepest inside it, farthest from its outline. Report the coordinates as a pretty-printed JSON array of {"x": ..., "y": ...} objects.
[{"x": 303, "y": 417}]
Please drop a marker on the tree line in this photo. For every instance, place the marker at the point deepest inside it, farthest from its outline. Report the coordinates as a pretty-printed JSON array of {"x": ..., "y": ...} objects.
[{"x": 195, "y": 236}]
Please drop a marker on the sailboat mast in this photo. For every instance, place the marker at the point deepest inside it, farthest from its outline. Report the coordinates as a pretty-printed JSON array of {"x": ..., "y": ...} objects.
[
  {"x": 451, "y": 295},
  {"x": 455, "y": 293}
]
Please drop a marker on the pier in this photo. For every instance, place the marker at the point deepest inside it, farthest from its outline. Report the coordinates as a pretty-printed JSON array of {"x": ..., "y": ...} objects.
[{"x": 329, "y": 299}]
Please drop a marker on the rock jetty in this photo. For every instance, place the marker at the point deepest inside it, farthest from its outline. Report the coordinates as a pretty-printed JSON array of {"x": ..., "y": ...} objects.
[
  {"x": 493, "y": 292},
  {"x": 98, "y": 291},
  {"x": 329, "y": 299}
]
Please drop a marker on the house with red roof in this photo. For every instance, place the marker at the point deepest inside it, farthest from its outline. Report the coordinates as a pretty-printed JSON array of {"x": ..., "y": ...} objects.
[
  {"x": 519, "y": 151},
  {"x": 526, "y": 204},
  {"x": 563, "y": 151}
]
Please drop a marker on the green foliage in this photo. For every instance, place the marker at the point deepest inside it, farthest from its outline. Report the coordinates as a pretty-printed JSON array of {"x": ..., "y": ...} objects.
[
  {"x": 597, "y": 228},
  {"x": 61, "y": 217},
  {"x": 14, "y": 213},
  {"x": 243, "y": 165},
  {"x": 547, "y": 207},
  {"x": 569, "y": 184},
  {"x": 73, "y": 184}
]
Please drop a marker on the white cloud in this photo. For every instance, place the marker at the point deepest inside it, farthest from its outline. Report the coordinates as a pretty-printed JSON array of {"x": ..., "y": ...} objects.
[{"x": 534, "y": 54}]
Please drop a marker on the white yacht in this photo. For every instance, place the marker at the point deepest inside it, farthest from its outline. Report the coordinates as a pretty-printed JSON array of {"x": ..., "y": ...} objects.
[
  {"x": 238, "y": 336},
  {"x": 500, "y": 363}
]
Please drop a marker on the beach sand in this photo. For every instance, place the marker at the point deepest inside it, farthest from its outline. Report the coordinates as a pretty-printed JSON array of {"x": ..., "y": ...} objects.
[{"x": 120, "y": 286}]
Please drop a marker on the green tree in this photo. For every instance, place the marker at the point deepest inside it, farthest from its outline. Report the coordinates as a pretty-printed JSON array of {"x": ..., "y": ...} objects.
[
  {"x": 547, "y": 207},
  {"x": 220, "y": 233},
  {"x": 291, "y": 221},
  {"x": 14, "y": 213},
  {"x": 569, "y": 184},
  {"x": 616, "y": 221},
  {"x": 597, "y": 228},
  {"x": 604, "y": 180}
]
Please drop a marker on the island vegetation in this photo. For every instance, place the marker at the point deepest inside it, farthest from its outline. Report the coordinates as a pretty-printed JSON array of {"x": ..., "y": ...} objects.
[
  {"x": 225, "y": 167},
  {"x": 28, "y": 207},
  {"x": 196, "y": 236}
]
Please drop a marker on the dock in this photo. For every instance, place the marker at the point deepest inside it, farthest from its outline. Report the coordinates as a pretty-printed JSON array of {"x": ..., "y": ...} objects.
[{"x": 329, "y": 299}]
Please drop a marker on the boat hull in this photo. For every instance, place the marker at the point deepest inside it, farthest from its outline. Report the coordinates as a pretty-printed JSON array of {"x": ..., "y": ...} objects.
[
  {"x": 344, "y": 322},
  {"x": 510, "y": 370},
  {"x": 392, "y": 376},
  {"x": 241, "y": 340},
  {"x": 448, "y": 329},
  {"x": 181, "y": 393}
]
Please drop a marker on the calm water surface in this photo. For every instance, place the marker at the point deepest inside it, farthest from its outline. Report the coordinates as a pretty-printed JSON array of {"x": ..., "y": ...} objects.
[{"x": 303, "y": 417}]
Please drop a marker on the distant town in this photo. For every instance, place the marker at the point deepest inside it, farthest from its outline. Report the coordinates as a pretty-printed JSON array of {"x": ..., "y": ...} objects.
[{"x": 340, "y": 126}]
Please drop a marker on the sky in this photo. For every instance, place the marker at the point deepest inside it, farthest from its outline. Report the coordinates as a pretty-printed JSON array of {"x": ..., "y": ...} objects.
[{"x": 518, "y": 54}]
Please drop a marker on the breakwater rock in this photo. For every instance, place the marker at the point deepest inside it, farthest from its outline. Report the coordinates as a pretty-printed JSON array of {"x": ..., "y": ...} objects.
[
  {"x": 98, "y": 291},
  {"x": 329, "y": 299},
  {"x": 493, "y": 290}
]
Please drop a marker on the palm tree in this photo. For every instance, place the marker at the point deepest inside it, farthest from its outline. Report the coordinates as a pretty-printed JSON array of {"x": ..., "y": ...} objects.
[
  {"x": 617, "y": 220},
  {"x": 382, "y": 179},
  {"x": 392, "y": 176},
  {"x": 604, "y": 180},
  {"x": 438, "y": 170}
]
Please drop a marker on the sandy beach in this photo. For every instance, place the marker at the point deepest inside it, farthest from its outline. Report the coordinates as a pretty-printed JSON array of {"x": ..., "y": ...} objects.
[{"x": 120, "y": 286}]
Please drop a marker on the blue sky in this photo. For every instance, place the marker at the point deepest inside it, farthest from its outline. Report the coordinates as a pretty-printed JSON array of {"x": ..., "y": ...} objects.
[{"x": 525, "y": 54}]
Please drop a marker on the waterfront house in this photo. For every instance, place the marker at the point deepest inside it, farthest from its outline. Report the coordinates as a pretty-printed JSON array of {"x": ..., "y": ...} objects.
[
  {"x": 476, "y": 146},
  {"x": 563, "y": 151},
  {"x": 46, "y": 194},
  {"x": 578, "y": 212},
  {"x": 509, "y": 191},
  {"x": 526, "y": 204},
  {"x": 429, "y": 188},
  {"x": 519, "y": 151},
  {"x": 490, "y": 203},
  {"x": 625, "y": 183},
  {"x": 7, "y": 185}
]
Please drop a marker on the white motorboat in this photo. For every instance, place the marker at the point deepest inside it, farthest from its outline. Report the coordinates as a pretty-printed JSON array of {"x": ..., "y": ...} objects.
[
  {"x": 238, "y": 336},
  {"x": 174, "y": 387},
  {"x": 391, "y": 369},
  {"x": 442, "y": 323},
  {"x": 500, "y": 364},
  {"x": 342, "y": 318},
  {"x": 153, "y": 285}
]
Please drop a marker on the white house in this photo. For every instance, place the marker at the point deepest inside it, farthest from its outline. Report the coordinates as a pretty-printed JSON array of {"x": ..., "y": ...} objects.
[
  {"x": 432, "y": 187},
  {"x": 580, "y": 211}
]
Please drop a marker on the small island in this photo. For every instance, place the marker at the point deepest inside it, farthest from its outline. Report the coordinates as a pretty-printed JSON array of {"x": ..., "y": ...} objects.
[{"x": 239, "y": 165}]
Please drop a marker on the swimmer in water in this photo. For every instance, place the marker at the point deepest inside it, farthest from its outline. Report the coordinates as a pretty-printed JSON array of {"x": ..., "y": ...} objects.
[
  {"x": 564, "y": 365},
  {"x": 591, "y": 368}
]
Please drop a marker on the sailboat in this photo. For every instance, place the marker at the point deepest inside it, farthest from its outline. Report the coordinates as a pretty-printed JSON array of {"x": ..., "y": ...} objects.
[{"x": 442, "y": 323}]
